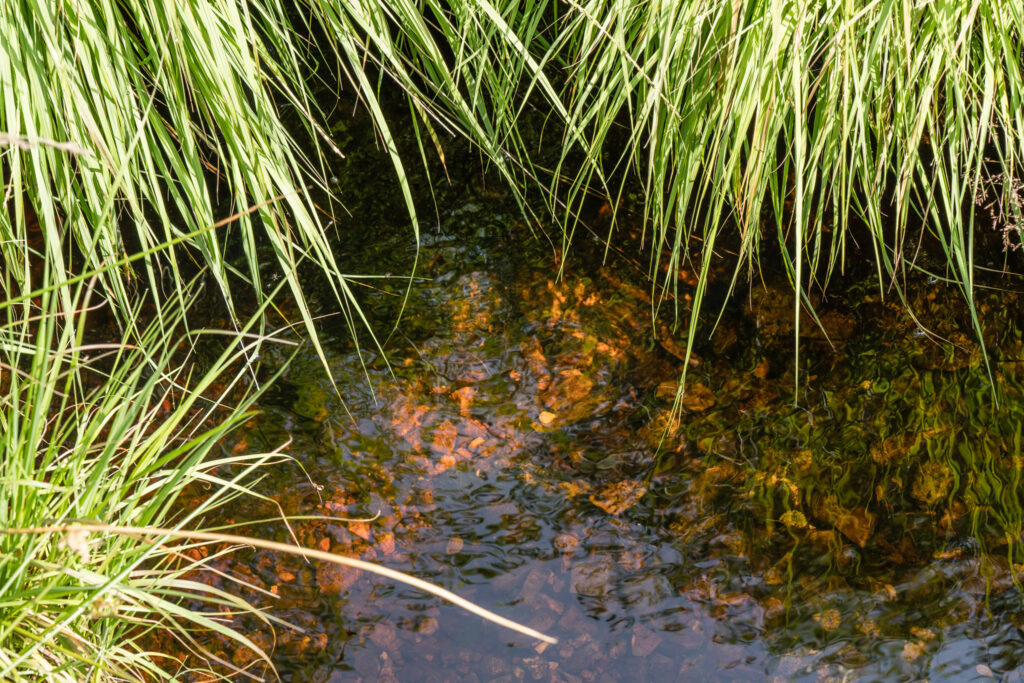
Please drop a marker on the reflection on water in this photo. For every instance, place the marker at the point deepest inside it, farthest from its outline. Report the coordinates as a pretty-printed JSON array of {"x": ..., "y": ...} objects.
[{"x": 510, "y": 453}]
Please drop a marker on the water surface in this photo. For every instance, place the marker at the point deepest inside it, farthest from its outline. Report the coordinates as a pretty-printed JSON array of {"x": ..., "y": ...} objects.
[{"x": 519, "y": 448}]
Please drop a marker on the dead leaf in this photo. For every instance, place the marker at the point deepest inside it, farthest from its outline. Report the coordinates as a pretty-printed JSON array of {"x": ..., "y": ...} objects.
[
  {"x": 360, "y": 529},
  {"x": 546, "y": 417}
]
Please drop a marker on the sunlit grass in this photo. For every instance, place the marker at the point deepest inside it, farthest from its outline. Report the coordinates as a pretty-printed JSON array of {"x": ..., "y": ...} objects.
[
  {"x": 786, "y": 122},
  {"x": 774, "y": 127},
  {"x": 97, "y": 431}
]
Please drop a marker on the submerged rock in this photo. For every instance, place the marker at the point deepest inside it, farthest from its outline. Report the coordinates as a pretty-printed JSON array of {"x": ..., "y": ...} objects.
[
  {"x": 618, "y": 497},
  {"x": 933, "y": 482}
]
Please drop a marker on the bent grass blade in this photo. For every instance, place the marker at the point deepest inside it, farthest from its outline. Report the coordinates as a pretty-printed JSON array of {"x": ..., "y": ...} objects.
[{"x": 307, "y": 553}]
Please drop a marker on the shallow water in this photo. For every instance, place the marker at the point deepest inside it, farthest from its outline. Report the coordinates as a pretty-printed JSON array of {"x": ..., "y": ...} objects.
[{"x": 512, "y": 452}]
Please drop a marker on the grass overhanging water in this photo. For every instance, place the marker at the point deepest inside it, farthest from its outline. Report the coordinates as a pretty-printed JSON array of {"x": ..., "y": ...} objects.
[{"x": 782, "y": 128}]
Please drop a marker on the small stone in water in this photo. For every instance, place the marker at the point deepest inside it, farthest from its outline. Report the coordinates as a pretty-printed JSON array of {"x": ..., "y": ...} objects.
[
  {"x": 360, "y": 529},
  {"x": 427, "y": 626},
  {"x": 618, "y": 497},
  {"x": 387, "y": 543},
  {"x": 333, "y": 579},
  {"x": 455, "y": 545},
  {"x": 829, "y": 619},
  {"x": 566, "y": 542},
  {"x": 547, "y": 417},
  {"x": 644, "y": 641}
]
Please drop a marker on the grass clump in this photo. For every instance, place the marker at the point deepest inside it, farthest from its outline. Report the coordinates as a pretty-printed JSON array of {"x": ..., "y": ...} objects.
[
  {"x": 784, "y": 125},
  {"x": 110, "y": 432},
  {"x": 791, "y": 121}
]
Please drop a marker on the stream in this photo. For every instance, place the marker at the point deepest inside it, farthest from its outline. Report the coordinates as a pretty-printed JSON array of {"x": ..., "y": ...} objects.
[{"x": 519, "y": 447}]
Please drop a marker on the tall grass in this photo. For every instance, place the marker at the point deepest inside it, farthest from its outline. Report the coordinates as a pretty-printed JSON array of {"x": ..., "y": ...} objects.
[
  {"x": 110, "y": 432},
  {"x": 128, "y": 125},
  {"x": 763, "y": 123},
  {"x": 786, "y": 121},
  {"x": 140, "y": 143},
  {"x": 769, "y": 120},
  {"x": 756, "y": 124}
]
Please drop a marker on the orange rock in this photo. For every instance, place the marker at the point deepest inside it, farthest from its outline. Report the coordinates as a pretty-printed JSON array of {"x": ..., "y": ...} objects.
[
  {"x": 360, "y": 529},
  {"x": 333, "y": 579},
  {"x": 697, "y": 397},
  {"x": 445, "y": 436}
]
